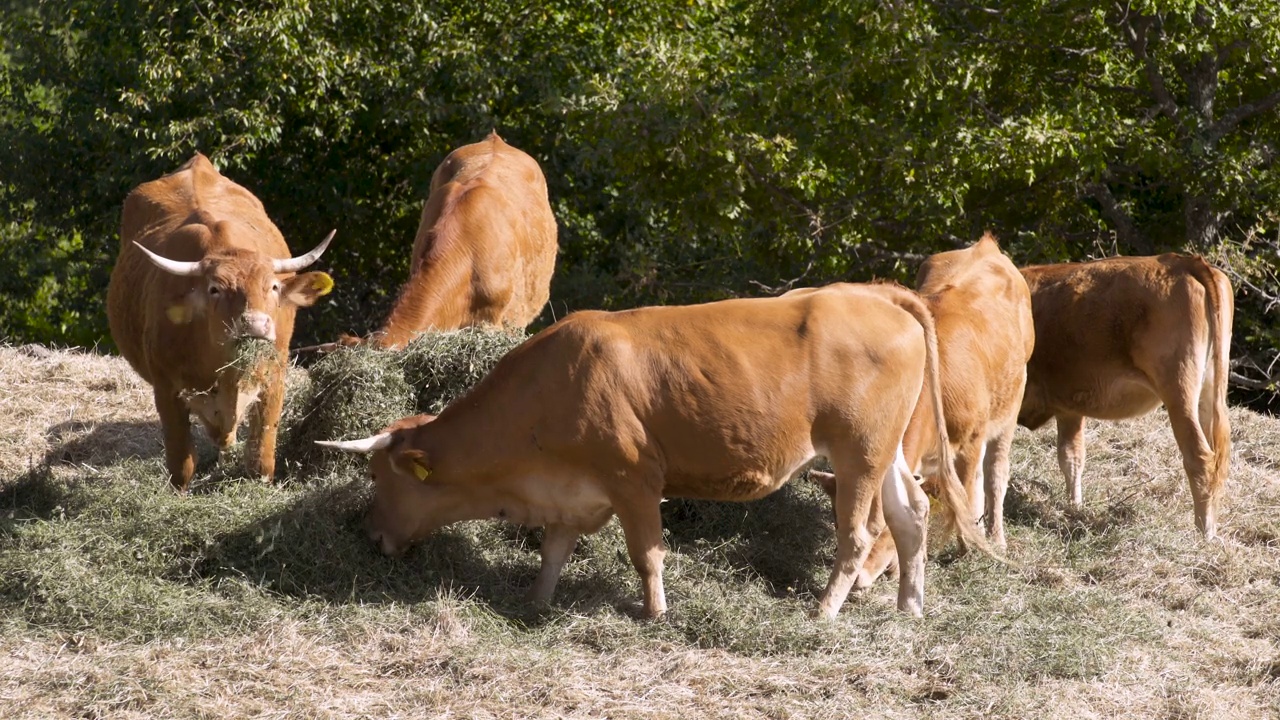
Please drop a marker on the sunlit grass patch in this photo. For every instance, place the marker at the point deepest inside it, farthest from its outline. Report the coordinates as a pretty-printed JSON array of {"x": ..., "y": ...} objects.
[{"x": 119, "y": 597}]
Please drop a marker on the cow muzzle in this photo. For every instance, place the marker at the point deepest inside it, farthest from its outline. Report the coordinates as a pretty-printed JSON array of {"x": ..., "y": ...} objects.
[
  {"x": 386, "y": 544},
  {"x": 257, "y": 325}
]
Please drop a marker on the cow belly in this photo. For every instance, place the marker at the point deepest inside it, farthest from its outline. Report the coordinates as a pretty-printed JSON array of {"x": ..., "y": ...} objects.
[
  {"x": 1114, "y": 398},
  {"x": 741, "y": 484}
]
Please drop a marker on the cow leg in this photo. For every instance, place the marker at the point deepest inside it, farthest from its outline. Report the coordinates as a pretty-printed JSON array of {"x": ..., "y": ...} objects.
[
  {"x": 906, "y": 509},
  {"x": 264, "y": 421},
  {"x": 879, "y": 560},
  {"x": 642, "y": 526},
  {"x": 882, "y": 552},
  {"x": 179, "y": 454},
  {"x": 1071, "y": 455},
  {"x": 856, "y": 488},
  {"x": 996, "y": 468},
  {"x": 968, "y": 459},
  {"x": 558, "y": 542},
  {"x": 1197, "y": 458}
]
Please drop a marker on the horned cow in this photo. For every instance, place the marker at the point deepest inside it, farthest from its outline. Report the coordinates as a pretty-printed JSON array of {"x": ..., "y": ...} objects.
[
  {"x": 1117, "y": 337},
  {"x": 201, "y": 269},
  {"x": 608, "y": 413}
]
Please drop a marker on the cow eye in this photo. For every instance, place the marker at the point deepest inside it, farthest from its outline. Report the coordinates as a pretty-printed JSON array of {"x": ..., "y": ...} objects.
[
  {"x": 213, "y": 290},
  {"x": 275, "y": 287}
]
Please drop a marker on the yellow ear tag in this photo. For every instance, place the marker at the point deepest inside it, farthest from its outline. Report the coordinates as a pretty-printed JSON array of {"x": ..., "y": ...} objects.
[
  {"x": 420, "y": 470},
  {"x": 322, "y": 283},
  {"x": 178, "y": 314}
]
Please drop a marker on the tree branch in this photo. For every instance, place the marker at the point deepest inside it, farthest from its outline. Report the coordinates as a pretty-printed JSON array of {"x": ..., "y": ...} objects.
[
  {"x": 1229, "y": 121},
  {"x": 1126, "y": 231},
  {"x": 1137, "y": 37}
]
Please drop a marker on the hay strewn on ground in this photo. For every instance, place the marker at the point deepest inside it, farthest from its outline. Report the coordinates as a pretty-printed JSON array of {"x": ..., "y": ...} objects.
[
  {"x": 355, "y": 392},
  {"x": 120, "y": 599}
]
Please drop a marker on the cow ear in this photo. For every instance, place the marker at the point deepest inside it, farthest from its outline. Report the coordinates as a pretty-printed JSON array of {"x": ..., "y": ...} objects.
[
  {"x": 305, "y": 289},
  {"x": 412, "y": 462}
]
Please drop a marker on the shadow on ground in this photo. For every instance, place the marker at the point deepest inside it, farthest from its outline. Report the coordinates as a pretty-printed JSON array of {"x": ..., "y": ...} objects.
[
  {"x": 1032, "y": 504},
  {"x": 32, "y": 495},
  {"x": 317, "y": 547},
  {"x": 76, "y": 442}
]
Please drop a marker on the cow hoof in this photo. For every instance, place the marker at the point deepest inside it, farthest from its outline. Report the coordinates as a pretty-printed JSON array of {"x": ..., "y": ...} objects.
[
  {"x": 912, "y": 608},
  {"x": 822, "y": 613}
]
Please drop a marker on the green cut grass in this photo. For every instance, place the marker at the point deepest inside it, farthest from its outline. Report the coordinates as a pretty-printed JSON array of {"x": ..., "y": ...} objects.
[{"x": 119, "y": 598}]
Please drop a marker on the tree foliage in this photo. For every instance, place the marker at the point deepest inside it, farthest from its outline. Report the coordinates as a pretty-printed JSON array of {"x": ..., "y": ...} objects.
[{"x": 695, "y": 148}]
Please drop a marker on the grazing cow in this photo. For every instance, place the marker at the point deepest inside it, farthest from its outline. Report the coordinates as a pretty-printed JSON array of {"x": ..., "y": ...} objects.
[
  {"x": 485, "y": 248},
  {"x": 203, "y": 271},
  {"x": 606, "y": 413},
  {"x": 982, "y": 309},
  {"x": 1117, "y": 337}
]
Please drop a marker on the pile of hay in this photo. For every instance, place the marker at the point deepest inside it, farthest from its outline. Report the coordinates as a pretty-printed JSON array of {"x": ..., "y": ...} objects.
[{"x": 355, "y": 392}]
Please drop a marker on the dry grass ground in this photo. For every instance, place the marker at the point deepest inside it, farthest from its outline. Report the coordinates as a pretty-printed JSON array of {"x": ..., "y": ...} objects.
[{"x": 119, "y": 599}]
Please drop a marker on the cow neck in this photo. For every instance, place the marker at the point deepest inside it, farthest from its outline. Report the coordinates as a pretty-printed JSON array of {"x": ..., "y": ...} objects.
[
  {"x": 454, "y": 454},
  {"x": 470, "y": 442},
  {"x": 435, "y": 297}
]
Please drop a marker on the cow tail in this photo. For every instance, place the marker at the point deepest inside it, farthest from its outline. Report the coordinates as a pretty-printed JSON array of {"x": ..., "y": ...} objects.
[
  {"x": 951, "y": 493},
  {"x": 1220, "y": 311}
]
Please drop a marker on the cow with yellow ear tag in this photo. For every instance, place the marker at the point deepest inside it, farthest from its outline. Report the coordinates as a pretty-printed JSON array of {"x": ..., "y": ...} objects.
[{"x": 202, "y": 303}]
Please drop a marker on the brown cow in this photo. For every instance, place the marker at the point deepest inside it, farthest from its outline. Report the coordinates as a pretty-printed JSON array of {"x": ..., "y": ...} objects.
[
  {"x": 201, "y": 269},
  {"x": 606, "y": 413},
  {"x": 1117, "y": 337},
  {"x": 982, "y": 310},
  {"x": 485, "y": 248}
]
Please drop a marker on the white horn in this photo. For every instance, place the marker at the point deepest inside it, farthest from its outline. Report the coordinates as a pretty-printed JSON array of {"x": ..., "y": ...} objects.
[
  {"x": 176, "y": 267},
  {"x": 300, "y": 262},
  {"x": 364, "y": 446}
]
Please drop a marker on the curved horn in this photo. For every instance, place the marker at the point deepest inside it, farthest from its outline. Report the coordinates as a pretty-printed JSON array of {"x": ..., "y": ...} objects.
[
  {"x": 300, "y": 262},
  {"x": 176, "y": 267},
  {"x": 364, "y": 447}
]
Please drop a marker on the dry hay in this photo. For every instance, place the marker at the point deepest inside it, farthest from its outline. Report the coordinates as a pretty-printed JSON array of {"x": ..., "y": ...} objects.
[
  {"x": 72, "y": 407},
  {"x": 120, "y": 599},
  {"x": 355, "y": 392}
]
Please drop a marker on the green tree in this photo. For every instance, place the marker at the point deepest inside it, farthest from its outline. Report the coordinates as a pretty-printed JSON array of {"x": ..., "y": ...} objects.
[{"x": 695, "y": 149}]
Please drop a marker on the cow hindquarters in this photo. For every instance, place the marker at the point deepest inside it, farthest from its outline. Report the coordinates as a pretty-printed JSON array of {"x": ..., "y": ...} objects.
[
  {"x": 175, "y": 422},
  {"x": 906, "y": 511}
]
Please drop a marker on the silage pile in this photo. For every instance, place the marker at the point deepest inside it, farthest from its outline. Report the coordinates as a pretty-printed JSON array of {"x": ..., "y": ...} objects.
[{"x": 355, "y": 392}]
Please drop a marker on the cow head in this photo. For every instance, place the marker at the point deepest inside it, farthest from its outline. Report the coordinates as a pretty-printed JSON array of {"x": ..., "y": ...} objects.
[
  {"x": 410, "y": 499},
  {"x": 238, "y": 292}
]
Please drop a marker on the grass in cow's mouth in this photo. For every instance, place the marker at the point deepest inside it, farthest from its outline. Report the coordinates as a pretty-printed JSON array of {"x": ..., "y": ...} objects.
[
  {"x": 120, "y": 598},
  {"x": 253, "y": 353}
]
